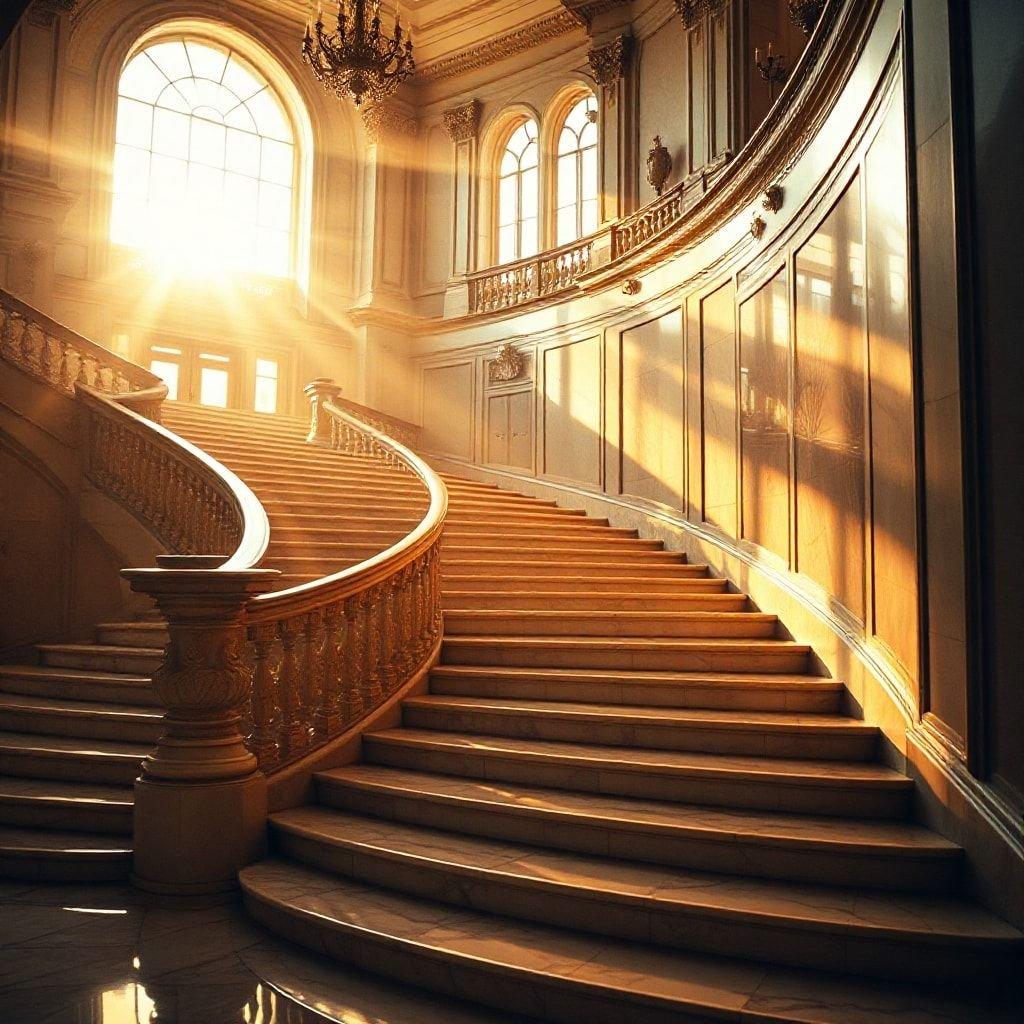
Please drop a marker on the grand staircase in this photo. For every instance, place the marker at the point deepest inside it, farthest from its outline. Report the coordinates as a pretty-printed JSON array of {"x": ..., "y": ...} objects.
[{"x": 626, "y": 795}]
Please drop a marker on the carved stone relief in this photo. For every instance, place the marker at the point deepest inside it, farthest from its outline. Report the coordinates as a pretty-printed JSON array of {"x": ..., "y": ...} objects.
[
  {"x": 462, "y": 122},
  {"x": 508, "y": 365},
  {"x": 611, "y": 61}
]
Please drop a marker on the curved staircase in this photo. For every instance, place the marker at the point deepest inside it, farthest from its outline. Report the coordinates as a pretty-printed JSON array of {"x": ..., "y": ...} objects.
[{"x": 626, "y": 795}]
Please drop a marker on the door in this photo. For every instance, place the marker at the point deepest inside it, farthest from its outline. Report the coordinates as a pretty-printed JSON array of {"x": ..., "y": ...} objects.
[
  {"x": 204, "y": 375},
  {"x": 510, "y": 430}
]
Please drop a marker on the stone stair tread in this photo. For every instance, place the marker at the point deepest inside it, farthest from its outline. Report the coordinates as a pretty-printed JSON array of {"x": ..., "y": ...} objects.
[
  {"x": 111, "y": 649},
  {"x": 771, "y": 828},
  {"x": 632, "y": 643},
  {"x": 636, "y": 676},
  {"x": 73, "y": 746},
  {"x": 127, "y": 713},
  {"x": 558, "y": 964},
  {"x": 64, "y": 790},
  {"x": 604, "y": 615},
  {"x": 83, "y": 674},
  {"x": 783, "y": 721},
  {"x": 43, "y": 842},
  {"x": 788, "y": 771},
  {"x": 757, "y": 900}
]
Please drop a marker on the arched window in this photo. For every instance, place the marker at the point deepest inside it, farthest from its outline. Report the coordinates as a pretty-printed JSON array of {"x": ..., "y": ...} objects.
[
  {"x": 204, "y": 161},
  {"x": 518, "y": 195},
  {"x": 576, "y": 207}
]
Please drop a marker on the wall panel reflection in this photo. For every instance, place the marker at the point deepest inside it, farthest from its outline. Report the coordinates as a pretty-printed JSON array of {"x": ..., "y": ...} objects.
[
  {"x": 829, "y": 398},
  {"x": 718, "y": 338}
]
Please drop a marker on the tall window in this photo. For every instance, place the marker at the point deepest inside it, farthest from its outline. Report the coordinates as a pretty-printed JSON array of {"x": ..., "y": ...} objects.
[
  {"x": 576, "y": 210},
  {"x": 518, "y": 197},
  {"x": 204, "y": 161}
]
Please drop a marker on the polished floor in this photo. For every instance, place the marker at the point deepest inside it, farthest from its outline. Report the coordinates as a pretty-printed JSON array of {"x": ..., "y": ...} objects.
[{"x": 100, "y": 955}]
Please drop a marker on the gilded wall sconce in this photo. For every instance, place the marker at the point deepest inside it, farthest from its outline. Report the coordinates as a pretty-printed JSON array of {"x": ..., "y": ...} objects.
[
  {"x": 631, "y": 286},
  {"x": 773, "y": 196},
  {"x": 659, "y": 166},
  {"x": 758, "y": 226},
  {"x": 772, "y": 68}
]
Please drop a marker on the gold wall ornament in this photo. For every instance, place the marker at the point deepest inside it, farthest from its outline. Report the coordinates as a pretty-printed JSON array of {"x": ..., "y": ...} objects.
[
  {"x": 381, "y": 120},
  {"x": 772, "y": 68},
  {"x": 610, "y": 62},
  {"x": 631, "y": 286},
  {"x": 509, "y": 364},
  {"x": 659, "y": 166},
  {"x": 463, "y": 122},
  {"x": 758, "y": 226},
  {"x": 805, "y": 13},
  {"x": 692, "y": 12},
  {"x": 357, "y": 59},
  {"x": 773, "y": 197}
]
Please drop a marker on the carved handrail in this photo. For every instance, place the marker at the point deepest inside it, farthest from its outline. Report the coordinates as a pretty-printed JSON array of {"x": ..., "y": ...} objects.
[
  {"x": 327, "y": 653},
  {"x": 61, "y": 358},
  {"x": 548, "y": 273},
  {"x": 398, "y": 429}
]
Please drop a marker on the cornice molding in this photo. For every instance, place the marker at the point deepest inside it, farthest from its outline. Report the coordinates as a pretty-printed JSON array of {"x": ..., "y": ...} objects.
[
  {"x": 585, "y": 11},
  {"x": 44, "y": 13},
  {"x": 508, "y": 45},
  {"x": 611, "y": 61},
  {"x": 463, "y": 122}
]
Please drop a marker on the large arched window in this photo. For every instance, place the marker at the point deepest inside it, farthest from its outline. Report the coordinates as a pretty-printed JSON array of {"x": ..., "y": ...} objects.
[
  {"x": 518, "y": 195},
  {"x": 204, "y": 162},
  {"x": 576, "y": 173}
]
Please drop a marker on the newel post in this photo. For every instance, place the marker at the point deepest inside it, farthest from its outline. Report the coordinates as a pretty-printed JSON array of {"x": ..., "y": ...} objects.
[
  {"x": 319, "y": 391},
  {"x": 200, "y": 802}
]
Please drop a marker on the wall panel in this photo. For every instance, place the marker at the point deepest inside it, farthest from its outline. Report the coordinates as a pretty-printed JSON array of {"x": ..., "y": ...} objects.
[
  {"x": 718, "y": 358},
  {"x": 572, "y": 411},
  {"x": 653, "y": 400},
  {"x": 764, "y": 415},
  {"x": 828, "y": 412},
  {"x": 448, "y": 409}
]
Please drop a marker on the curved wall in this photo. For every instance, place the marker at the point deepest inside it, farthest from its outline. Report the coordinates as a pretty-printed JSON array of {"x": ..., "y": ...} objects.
[{"x": 758, "y": 404}]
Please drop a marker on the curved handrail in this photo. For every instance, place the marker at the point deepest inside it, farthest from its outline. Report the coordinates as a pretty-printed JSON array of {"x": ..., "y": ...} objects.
[{"x": 366, "y": 573}]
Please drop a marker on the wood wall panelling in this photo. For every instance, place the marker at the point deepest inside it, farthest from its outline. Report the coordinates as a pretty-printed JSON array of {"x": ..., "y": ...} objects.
[
  {"x": 572, "y": 411},
  {"x": 448, "y": 412}
]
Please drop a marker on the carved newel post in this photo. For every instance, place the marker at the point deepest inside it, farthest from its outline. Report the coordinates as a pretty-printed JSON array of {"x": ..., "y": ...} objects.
[
  {"x": 319, "y": 391},
  {"x": 200, "y": 802}
]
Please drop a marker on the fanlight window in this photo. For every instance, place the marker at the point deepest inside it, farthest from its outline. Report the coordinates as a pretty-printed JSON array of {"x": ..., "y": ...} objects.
[
  {"x": 204, "y": 162},
  {"x": 576, "y": 209},
  {"x": 518, "y": 195}
]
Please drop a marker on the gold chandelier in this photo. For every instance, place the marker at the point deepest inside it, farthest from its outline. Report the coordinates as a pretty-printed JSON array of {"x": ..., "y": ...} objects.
[{"x": 357, "y": 59}]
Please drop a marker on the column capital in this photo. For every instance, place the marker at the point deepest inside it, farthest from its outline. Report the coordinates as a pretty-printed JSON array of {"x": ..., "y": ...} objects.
[
  {"x": 462, "y": 122},
  {"x": 384, "y": 120},
  {"x": 610, "y": 62}
]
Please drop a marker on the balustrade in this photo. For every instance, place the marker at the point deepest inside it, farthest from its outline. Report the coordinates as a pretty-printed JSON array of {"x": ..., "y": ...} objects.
[{"x": 547, "y": 274}]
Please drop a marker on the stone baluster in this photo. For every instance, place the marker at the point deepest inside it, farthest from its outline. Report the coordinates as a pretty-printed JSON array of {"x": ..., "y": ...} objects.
[
  {"x": 200, "y": 802},
  {"x": 319, "y": 392}
]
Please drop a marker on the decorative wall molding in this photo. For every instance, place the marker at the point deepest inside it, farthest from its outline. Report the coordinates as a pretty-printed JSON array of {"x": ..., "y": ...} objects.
[
  {"x": 508, "y": 365},
  {"x": 463, "y": 122},
  {"x": 611, "y": 61},
  {"x": 44, "y": 13},
  {"x": 586, "y": 10},
  {"x": 508, "y": 45},
  {"x": 383, "y": 120},
  {"x": 693, "y": 12}
]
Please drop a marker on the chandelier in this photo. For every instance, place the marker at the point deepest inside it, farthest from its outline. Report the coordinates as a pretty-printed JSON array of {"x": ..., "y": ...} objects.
[{"x": 357, "y": 59}]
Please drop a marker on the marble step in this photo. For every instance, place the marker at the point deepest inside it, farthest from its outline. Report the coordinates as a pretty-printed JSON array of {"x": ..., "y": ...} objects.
[
  {"x": 132, "y": 634},
  {"x": 327, "y": 541},
  {"x": 865, "y": 932},
  {"x": 77, "y": 684},
  {"x": 558, "y": 554},
  {"x": 33, "y": 855},
  {"x": 619, "y": 623},
  {"x": 644, "y": 653},
  {"x": 751, "y": 692},
  {"x": 54, "y": 716},
  {"x": 691, "y": 580},
  {"x": 574, "y": 601},
  {"x": 562, "y": 529},
  {"x": 102, "y": 657},
  {"x": 290, "y": 503},
  {"x": 66, "y": 806},
  {"x": 828, "y": 787},
  {"x": 551, "y": 566},
  {"x": 332, "y": 549},
  {"x": 81, "y": 760},
  {"x": 560, "y": 976},
  {"x": 323, "y": 474},
  {"x": 586, "y": 540},
  {"x": 880, "y": 854},
  {"x": 744, "y": 732}
]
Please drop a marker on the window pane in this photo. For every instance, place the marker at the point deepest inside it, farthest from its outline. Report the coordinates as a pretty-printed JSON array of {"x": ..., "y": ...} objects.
[
  {"x": 213, "y": 387},
  {"x": 207, "y": 143},
  {"x": 566, "y": 230},
  {"x": 168, "y": 179},
  {"x": 590, "y": 222},
  {"x": 266, "y": 368},
  {"x": 268, "y": 116},
  {"x": 508, "y": 204},
  {"x": 272, "y": 253},
  {"x": 141, "y": 79},
  {"x": 277, "y": 162},
  {"x": 242, "y": 82},
  {"x": 134, "y": 122},
  {"x": 588, "y": 186},
  {"x": 529, "y": 157},
  {"x": 170, "y": 59},
  {"x": 509, "y": 163},
  {"x": 241, "y": 197},
  {"x": 131, "y": 172},
  {"x": 170, "y": 133},
  {"x": 206, "y": 61},
  {"x": 529, "y": 194},
  {"x": 588, "y": 137},
  {"x": 205, "y": 185},
  {"x": 275, "y": 206},
  {"x": 567, "y": 141},
  {"x": 528, "y": 238},
  {"x": 507, "y": 244},
  {"x": 243, "y": 152},
  {"x": 567, "y": 180},
  {"x": 168, "y": 373}
]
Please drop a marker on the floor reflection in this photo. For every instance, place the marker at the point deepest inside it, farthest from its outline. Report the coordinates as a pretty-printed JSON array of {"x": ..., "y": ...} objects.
[{"x": 103, "y": 955}]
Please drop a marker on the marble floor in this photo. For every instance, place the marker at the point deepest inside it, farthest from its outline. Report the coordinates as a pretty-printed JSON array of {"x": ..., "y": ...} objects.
[{"x": 103, "y": 955}]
